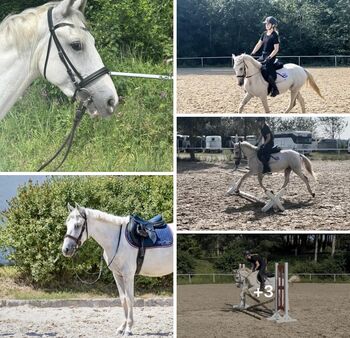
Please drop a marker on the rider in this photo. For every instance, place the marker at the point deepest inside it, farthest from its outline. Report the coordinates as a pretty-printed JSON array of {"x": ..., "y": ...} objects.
[
  {"x": 264, "y": 151},
  {"x": 271, "y": 44},
  {"x": 258, "y": 264}
]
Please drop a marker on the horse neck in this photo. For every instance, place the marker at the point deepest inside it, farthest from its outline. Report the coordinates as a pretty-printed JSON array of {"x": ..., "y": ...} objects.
[
  {"x": 248, "y": 150},
  {"x": 105, "y": 231},
  {"x": 251, "y": 63},
  {"x": 18, "y": 67}
]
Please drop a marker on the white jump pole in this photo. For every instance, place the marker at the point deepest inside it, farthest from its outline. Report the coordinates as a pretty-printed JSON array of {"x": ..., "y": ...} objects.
[{"x": 143, "y": 76}]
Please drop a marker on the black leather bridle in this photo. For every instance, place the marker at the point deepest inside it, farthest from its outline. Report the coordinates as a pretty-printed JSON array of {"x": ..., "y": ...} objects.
[
  {"x": 78, "y": 80},
  {"x": 84, "y": 228}
]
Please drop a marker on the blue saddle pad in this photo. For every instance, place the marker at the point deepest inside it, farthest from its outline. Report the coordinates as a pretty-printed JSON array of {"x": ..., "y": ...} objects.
[{"x": 164, "y": 238}]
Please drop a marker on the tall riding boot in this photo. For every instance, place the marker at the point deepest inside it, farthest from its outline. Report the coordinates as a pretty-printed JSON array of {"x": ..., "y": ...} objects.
[
  {"x": 274, "y": 88},
  {"x": 266, "y": 168}
]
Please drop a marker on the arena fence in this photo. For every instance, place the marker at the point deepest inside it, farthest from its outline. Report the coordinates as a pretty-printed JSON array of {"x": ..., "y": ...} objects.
[
  {"x": 301, "y": 60},
  {"x": 224, "y": 278}
]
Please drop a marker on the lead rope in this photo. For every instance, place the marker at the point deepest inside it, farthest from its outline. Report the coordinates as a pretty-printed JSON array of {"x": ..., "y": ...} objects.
[
  {"x": 101, "y": 263},
  {"x": 69, "y": 138}
]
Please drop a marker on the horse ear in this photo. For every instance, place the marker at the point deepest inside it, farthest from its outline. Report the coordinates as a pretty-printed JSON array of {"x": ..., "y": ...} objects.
[
  {"x": 80, "y": 5},
  {"x": 69, "y": 207},
  {"x": 81, "y": 210},
  {"x": 63, "y": 9}
]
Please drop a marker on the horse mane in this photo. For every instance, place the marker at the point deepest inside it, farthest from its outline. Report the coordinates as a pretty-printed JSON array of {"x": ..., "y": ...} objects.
[
  {"x": 248, "y": 145},
  {"x": 105, "y": 217},
  {"x": 22, "y": 29},
  {"x": 249, "y": 58}
]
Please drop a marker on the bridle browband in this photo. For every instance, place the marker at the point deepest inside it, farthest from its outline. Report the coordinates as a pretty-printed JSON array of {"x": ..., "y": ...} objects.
[
  {"x": 84, "y": 228},
  {"x": 80, "y": 86},
  {"x": 71, "y": 70}
]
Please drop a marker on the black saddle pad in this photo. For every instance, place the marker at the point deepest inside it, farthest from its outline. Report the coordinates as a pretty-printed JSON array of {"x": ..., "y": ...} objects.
[{"x": 275, "y": 149}]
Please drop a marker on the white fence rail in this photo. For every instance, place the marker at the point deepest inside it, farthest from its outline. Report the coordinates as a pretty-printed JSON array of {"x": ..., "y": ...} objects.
[
  {"x": 299, "y": 58},
  {"x": 213, "y": 277}
]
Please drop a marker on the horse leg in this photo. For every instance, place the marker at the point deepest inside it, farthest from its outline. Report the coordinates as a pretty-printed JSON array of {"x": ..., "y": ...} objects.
[
  {"x": 305, "y": 179},
  {"x": 129, "y": 293},
  {"x": 260, "y": 179},
  {"x": 301, "y": 102},
  {"x": 239, "y": 183},
  {"x": 245, "y": 100},
  {"x": 293, "y": 96},
  {"x": 286, "y": 177},
  {"x": 121, "y": 290},
  {"x": 265, "y": 104}
]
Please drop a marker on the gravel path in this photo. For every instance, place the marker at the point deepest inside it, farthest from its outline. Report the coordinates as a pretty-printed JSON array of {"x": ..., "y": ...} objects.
[
  {"x": 79, "y": 322},
  {"x": 202, "y": 203},
  {"x": 215, "y": 90}
]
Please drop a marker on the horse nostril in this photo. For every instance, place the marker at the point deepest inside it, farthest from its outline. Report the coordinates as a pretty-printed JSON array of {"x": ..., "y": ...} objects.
[{"x": 111, "y": 103}]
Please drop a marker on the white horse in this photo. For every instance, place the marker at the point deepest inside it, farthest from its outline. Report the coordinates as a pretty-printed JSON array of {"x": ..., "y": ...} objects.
[
  {"x": 247, "y": 280},
  {"x": 248, "y": 72},
  {"x": 285, "y": 160},
  {"x": 28, "y": 51},
  {"x": 109, "y": 232}
]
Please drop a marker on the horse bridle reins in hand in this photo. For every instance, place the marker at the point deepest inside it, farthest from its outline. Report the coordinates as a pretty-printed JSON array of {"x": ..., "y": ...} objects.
[{"x": 80, "y": 84}]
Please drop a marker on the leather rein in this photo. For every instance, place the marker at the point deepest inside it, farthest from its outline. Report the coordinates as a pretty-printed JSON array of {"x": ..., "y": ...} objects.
[
  {"x": 77, "y": 241},
  {"x": 80, "y": 84}
]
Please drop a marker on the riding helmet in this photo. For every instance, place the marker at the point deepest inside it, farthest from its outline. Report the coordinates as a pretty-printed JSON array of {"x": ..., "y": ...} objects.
[{"x": 272, "y": 20}]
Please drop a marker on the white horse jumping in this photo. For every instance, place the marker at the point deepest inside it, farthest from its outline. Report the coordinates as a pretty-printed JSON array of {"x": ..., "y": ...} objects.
[
  {"x": 29, "y": 50},
  {"x": 285, "y": 160},
  {"x": 248, "y": 72},
  {"x": 247, "y": 280},
  {"x": 109, "y": 232}
]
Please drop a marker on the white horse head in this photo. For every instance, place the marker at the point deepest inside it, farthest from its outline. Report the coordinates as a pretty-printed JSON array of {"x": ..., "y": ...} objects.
[
  {"x": 244, "y": 65},
  {"x": 27, "y": 38},
  {"x": 77, "y": 231}
]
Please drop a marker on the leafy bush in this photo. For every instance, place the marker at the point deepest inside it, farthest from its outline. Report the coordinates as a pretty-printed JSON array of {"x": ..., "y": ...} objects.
[{"x": 35, "y": 222}]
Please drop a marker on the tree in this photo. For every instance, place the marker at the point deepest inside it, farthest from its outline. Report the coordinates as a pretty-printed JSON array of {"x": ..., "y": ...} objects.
[{"x": 333, "y": 127}]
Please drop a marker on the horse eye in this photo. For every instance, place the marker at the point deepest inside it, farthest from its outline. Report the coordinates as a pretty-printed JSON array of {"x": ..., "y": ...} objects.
[{"x": 76, "y": 45}]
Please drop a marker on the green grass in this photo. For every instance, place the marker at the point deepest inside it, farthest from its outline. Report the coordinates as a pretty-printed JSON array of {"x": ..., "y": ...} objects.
[
  {"x": 139, "y": 138},
  {"x": 225, "y": 156},
  {"x": 325, "y": 156},
  {"x": 12, "y": 286}
]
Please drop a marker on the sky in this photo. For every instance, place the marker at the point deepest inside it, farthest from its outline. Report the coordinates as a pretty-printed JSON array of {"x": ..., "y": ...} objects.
[
  {"x": 10, "y": 183},
  {"x": 346, "y": 133}
]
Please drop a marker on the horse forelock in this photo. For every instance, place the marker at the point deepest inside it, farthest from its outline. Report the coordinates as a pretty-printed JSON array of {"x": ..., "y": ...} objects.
[{"x": 22, "y": 29}]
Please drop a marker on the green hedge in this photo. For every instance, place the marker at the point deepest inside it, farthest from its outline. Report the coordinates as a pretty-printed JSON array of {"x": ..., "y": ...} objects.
[{"x": 35, "y": 222}]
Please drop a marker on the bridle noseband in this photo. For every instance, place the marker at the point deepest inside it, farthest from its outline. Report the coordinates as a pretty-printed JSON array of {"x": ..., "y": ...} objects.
[
  {"x": 84, "y": 228},
  {"x": 85, "y": 96},
  {"x": 73, "y": 73}
]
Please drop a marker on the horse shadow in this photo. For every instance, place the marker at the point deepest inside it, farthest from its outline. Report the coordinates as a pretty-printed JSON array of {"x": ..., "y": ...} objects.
[{"x": 258, "y": 214}]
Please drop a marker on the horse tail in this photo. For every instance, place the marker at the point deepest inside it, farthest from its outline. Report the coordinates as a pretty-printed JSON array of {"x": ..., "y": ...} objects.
[
  {"x": 308, "y": 166},
  {"x": 313, "y": 84}
]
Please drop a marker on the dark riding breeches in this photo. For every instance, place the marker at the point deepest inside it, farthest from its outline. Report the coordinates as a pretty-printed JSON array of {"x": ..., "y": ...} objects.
[{"x": 264, "y": 154}]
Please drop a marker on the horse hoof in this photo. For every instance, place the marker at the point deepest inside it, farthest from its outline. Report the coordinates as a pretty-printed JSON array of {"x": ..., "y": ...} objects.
[
  {"x": 127, "y": 333},
  {"x": 313, "y": 194},
  {"x": 120, "y": 332}
]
